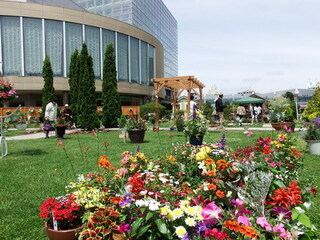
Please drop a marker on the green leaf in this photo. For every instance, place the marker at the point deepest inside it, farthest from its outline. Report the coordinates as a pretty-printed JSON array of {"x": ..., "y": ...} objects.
[
  {"x": 161, "y": 226},
  {"x": 305, "y": 220},
  {"x": 149, "y": 215},
  {"x": 135, "y": 225},
  {"x": 279, "y": 184},
  {"x": 143, "y": 230},
  {"x": 295, "y": 214}
]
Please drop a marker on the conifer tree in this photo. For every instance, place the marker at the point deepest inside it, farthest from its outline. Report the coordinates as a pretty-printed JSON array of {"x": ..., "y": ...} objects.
[
  {"x": 87, "y": 114},
  {"x": 111, "y": 107},
  {"x": 48, "y": 90},
  {"x": 74, "y": 83}
]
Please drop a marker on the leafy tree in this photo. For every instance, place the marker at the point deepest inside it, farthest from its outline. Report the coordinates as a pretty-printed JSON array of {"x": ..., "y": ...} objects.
[
  {"x": 312, "y": 110},
  {"x": 207, "y": 110},
  {"x": 74, "y": 83},
  {"x": 48, "y": 90},
  {"x": 87, "y": 114},
  {"x": 149, "y": 107},
  {"x": 111, "y": 106}
]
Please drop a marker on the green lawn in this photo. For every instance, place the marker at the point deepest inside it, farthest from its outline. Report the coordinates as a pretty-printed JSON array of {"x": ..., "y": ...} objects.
[{"x": 37, "y": 169}]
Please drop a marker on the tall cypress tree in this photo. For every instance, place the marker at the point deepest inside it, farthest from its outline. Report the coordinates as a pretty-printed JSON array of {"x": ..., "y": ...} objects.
[
  {"x": 48, "y": 90},
  {"x": 111, "y": 107},
  {"x": 74, "y": 83},
  {"x": 87, "y": 114}
]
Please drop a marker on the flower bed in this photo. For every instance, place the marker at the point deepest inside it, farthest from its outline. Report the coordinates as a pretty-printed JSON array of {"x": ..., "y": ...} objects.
[{"x": 193, "y": 192}]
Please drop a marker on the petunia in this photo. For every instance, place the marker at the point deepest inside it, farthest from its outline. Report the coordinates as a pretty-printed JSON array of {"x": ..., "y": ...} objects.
[
  {"x": 262, "y": 221},
  {"x": 211, "y": 213},
  {"x": 282, "y": 213},
  {"x": 244, "y": 220}
]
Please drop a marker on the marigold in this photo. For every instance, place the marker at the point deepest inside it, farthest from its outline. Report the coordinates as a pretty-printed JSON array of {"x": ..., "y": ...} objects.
[
  {"x": 222, "y": 164},
  {"x": 241, "y": 228},
  {"x": 209, "y": 161},
  {"x": 220, "y": 194},
  {"x": 104, "y": 162},
  {"x": 212, "y": 186},
  {"x": 211, "y": 173},
  {"x": 116, "y": 200}
]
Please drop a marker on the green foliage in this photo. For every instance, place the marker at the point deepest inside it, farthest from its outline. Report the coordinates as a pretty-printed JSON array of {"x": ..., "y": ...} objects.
[
  {"x": 149, "y": 107},
  {"x": 312, "y": 110},
  {"x": 87, "y": 114},
  {"x": 48, "y": 90},
  {"x": 207, "y": 110},
  {"x": 122, "y": 121},
  {"x": 134, "y": 123},
  {"x": 74, "y": 83},
  {"x": 111, "y": 107},
  {"x": 282, "y": 109}
]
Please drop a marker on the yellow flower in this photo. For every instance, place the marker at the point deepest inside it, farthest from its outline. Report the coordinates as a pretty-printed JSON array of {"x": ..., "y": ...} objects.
[
  {"x": 177, "y": 213},
  {"x": 206, "y": 150},
  {"x": 165, "y": 210},
  {"x": 201, "y": 156},
  {"x": 190, "y": 222},
  {"x": 180, "y": 231}
]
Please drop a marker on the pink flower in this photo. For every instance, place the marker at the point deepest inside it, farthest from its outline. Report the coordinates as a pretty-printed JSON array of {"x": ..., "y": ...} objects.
[
  {"x": 211, "y": 213},
  {"x": 249, "y": 134},
  {"x": 262, "y": 221},
  {"x": 273, "y": 165},
  {"x": 123, "y": 171},
  {"x": 280, "y": 230},
  {"x": 245, "y": 220},
  {"x": 237, "y": 202}
]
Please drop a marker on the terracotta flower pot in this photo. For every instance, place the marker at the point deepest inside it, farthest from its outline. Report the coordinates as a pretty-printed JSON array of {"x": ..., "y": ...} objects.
[{"x": 69, "y": 234}]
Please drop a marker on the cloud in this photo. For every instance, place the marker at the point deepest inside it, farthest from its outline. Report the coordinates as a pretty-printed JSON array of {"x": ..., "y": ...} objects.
[{"x": 275, "y": 73}]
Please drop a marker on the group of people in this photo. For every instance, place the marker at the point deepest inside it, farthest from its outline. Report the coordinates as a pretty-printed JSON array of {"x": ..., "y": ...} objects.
[
  {"x": 254, "y": 111},
  {"x": 51, "y": 113}
]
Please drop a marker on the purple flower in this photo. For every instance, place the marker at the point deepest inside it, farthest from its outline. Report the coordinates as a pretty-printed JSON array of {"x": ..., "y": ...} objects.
[
  {"x": 185, "y": 237},
  {"x": 200, "y": 229},
  {"x": 282, "y": 213},
  {"x": 171, "y": 128},
  {"x": 316, "y": 122},
  {"x": 138, "y": 149},
  {"x": 125, "y": 202},
  {"x": 223, "y": 142},
  {"x": 194, "y": 113},
  {"x": 124, "y": 228}
]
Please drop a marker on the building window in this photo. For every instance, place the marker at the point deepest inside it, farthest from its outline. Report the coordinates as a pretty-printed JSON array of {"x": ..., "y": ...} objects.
[
  {"x": 144, "y": 63},
  {"x": 134, "y": 59},
  {"x": 93, "y": 43},
  {"x": 33, "y": 52},
  {"x": 73, "y": 40},
  {"x": 54, "y": 45},
  {"x": 151, "y": 63},
  {"x": 122, "y": 45},
  {"x": 11, "y": 45},
  {"x": 107, "y": 37}
]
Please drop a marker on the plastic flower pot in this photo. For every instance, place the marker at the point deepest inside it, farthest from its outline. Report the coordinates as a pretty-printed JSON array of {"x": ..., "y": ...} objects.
[
  {"x": 136, "y": 135},
  {"x": 69, "y": 234},
  {"x": 194, "y": 140}
]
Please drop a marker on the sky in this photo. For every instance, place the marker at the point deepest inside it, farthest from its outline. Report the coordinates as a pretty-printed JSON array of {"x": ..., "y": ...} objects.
[{"x": 236, "y": 45}]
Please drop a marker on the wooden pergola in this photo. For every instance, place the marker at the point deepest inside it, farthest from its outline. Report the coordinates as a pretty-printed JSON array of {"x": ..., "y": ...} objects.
[{"x": 177, "y": 86}]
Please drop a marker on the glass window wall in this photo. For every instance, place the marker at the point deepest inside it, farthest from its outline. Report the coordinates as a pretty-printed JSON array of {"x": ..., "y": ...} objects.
[
  {"x": 93, "y": 43},
  {"x": 73, "y": 40},
  {"x": 134, "y": 59},
  {"x": 122, "y": 48},
  {"x": 144, "y": 63}
]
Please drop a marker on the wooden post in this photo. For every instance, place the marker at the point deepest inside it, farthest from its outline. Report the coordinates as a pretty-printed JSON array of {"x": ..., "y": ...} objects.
[
  {"x": 200, "y": 105},
  {"x": 188, "y": 106}
]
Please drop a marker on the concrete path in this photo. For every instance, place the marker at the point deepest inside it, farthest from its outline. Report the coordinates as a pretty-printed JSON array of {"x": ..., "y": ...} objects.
[{"x": 52, "y": 133}]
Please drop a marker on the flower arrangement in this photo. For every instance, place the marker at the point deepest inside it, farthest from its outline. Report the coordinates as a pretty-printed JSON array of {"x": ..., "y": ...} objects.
[
  {"x": 197, "y": 126},
  {"x": 62, "y": 213},
  {"x": 196, "y": 192},
  {"x": 282, "y": 109},
  {"x": 133, "y": 123},
  {"x": 7, "y": 92},
  {"x": 313, "y": 130}
]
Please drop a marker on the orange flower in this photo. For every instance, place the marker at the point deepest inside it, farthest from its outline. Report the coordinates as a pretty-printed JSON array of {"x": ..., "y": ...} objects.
[
  {"x": 211, "y": 173},
  {"x": 209, "y": 161},
  {"x": 222, "y": 164},
  {"x": 99, "y": 179},
  {"x": 220, "y": 194},
  {"x": 212, "y": 186},
  {"x": 104, "y": 162},
  {"x": 116, "y": 200},
  {"x": 246, "y": 230}
]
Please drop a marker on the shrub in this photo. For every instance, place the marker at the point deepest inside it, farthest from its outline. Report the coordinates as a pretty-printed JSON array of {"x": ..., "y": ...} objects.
[{"x": 149, "y": 107}]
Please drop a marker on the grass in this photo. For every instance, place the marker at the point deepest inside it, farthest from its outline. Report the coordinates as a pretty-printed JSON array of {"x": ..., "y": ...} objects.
[{"x": 37, "y": 169}]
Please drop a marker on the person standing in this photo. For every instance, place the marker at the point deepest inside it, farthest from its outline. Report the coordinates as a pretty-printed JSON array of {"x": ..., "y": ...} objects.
[
  {"x": 67, "y": 114},
  {"x": 241, "y": 112},
  {"x": 50, "y": 114},
  {"x": 193, "y": 108},
  {"x": 219, "y": 109}
]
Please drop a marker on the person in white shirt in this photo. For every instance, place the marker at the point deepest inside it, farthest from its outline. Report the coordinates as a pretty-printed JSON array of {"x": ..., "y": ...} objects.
[
  {"x": 193, "y": 107},
  {"x": 50, "y": 114}
]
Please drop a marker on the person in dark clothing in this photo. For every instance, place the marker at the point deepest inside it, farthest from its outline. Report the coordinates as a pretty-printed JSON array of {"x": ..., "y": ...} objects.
[
  {"x": 67, "y": 114},
  {"x": 219, "y": 109}
]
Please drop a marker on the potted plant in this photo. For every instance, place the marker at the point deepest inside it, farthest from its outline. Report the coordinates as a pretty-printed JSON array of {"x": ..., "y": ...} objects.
[
  {"x": 281, "y": 113},
  {"x": 60, "y": 125},
  {"x": 312, "y": 136},
  {"x": 7, "y": 92},
  {"x": 19, "y": 120},
  {"x": 63, "y": 217},
  {"x": 196, "y": 128},
  {"x": 136, "y": 129},
  {"x": 179, "y": 120}
]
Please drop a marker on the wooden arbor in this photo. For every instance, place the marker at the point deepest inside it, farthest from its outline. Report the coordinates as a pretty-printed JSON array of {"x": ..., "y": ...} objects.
[{"x": 177, "y": 86}]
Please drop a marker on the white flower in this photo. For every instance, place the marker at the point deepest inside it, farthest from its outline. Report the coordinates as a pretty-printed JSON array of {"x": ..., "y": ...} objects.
[
  {"x": 180, "y": 231},
  {"x": 154, "y": 205},
  {"x": 190, "y": 222},
  {"x": 141, "y": 203}
]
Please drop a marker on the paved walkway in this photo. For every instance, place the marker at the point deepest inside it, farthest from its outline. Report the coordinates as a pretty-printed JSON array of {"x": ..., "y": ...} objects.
[{"x": 52, "y": 133}]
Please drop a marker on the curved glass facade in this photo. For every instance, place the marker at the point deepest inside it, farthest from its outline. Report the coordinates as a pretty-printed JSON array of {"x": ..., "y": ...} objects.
[{"x": 26, "y": 41}]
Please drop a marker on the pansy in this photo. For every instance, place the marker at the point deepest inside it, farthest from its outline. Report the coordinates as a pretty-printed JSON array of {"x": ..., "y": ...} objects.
[{"x": 211, "y": 213}]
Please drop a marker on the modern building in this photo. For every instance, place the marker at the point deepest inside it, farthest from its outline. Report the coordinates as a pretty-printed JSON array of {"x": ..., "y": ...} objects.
[
  {"x": 151, "y": 16},
  {"x": 32, "y": 29}
]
